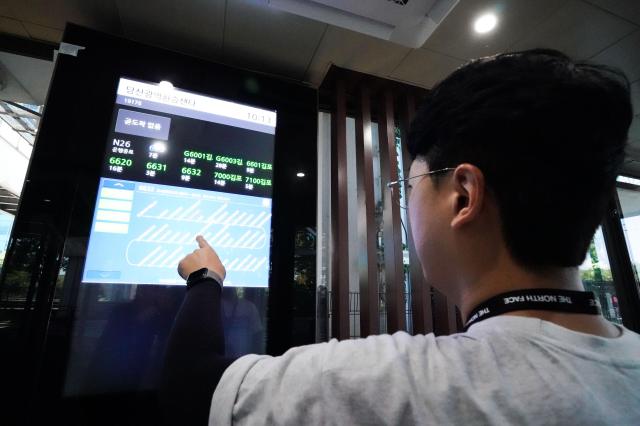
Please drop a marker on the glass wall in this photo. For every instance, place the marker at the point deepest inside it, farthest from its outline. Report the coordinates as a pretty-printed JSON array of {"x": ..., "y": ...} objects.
[
  {"x": 323, "y": 260},
  {"x": 18, "y": 126},
  {"x": 596, "y": 276},
  {"x": 629, "y": 196},
  {"x": 378, "y": 194}
]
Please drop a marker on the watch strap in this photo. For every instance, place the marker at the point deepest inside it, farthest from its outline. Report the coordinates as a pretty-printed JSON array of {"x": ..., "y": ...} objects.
[{"x": 203, "y": 275}]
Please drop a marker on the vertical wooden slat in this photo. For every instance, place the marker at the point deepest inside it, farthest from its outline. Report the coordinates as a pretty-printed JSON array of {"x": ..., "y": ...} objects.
[
  {"x": 452, "y": 318},
  {"x": 394, "y": 275},
  {"x": 339, "y": 224},
  {"x": 440, "y": 313},
  {"x": 446, "y": 315},
  {"x": 420, "y": 292},
  {"x": 369, "y": 315},
  {"x": 407, "y": 112}
]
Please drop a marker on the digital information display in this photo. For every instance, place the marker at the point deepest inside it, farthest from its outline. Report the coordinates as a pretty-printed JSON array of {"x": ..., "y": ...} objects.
[{"x": 178, "y": 165}]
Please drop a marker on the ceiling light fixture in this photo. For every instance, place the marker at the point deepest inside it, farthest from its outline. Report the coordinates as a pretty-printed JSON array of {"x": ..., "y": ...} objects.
[
  {"x": 485, "y": 23},
  {"x": 165, "y": 84},
  {"x": 300, "y": 174}
]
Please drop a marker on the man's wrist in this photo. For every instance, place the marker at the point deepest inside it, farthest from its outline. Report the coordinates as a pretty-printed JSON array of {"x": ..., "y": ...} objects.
[{"x": 204, "y": 274}]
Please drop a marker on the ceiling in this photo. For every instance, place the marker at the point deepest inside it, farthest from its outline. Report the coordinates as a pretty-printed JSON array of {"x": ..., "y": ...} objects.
[
  {"x": 21, "y": 78},
  {"x": 250, "y": 34}
]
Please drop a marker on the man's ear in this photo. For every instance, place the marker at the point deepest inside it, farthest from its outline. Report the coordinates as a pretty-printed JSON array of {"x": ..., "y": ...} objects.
[{"x": 468, "y": 185}]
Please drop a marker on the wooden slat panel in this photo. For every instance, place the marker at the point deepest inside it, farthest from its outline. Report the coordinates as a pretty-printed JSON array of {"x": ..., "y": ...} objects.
[
  {"x": 339, "y": 223},
  {"x": 452, "y": 318},
  {"x": 369, "y": 312},
  {"x": 446, "y": 316},
  {"x": 440, "y": 313},
  {"x": 420, "y": 292},
  {"x": 394, "y": 276}
]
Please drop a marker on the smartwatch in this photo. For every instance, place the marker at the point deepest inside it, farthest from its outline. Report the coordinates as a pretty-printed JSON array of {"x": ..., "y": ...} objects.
[{"x": 202, "y": 274}]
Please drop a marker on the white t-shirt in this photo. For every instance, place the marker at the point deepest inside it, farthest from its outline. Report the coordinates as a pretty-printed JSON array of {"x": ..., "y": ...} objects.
[{"x": 504, "y": 370}]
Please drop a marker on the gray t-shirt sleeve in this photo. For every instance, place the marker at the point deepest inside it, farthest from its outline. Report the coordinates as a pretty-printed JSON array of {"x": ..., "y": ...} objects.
[
  {"x": 263, "y": 389},
  {"x": 225, "y": 394},
  {"x": 317, "y": 383}
]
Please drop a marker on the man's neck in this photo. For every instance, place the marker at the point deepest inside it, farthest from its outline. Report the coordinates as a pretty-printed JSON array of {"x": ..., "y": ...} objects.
[
  {"x": 505, "y": 276},
  {"x": 502, "y": 280}
]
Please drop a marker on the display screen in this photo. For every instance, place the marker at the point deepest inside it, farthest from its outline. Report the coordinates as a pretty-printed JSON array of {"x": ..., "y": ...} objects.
[{"x": 177, "y": 165}]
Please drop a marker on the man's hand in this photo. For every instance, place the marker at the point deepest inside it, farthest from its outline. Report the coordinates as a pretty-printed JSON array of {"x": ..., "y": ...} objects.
[{"x": 203, "y": 257}]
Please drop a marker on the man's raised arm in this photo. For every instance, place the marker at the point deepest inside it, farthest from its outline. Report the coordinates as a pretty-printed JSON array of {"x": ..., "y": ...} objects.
[{"x": 194, "y": 359}]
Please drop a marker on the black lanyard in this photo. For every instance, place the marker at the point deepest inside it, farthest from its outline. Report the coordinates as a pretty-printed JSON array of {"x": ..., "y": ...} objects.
[{"x": 545, "y": 299}]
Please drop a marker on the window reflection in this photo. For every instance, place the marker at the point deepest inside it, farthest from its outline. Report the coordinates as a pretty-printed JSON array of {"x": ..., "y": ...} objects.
[
  {"x": 243, "y": 326},
  {"x": 120, "y": 333},
  {"x": 119, "y": 336}
]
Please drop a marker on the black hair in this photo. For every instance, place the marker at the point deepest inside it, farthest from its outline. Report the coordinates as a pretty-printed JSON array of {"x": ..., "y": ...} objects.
[{"x": 548, "y": 134}]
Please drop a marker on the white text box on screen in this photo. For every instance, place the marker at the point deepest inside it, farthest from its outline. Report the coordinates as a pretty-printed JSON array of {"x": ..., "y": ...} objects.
[
  {"x": 115, "y": 205},
  {"x": 113, "y": 216},
  {"x": 111, "y": 227},
  {"x": 117, "y": 194}
]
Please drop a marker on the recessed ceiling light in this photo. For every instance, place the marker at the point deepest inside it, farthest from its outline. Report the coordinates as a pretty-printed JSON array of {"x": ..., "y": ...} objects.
[
  {"x": 485, "y": 23},
  {"x": 300, "y": 174},
  {"x": 165, "y": 84}
]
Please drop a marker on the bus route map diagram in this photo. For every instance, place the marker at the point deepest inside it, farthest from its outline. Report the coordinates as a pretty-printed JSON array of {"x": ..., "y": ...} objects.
[{"x": 144, "y": 230}]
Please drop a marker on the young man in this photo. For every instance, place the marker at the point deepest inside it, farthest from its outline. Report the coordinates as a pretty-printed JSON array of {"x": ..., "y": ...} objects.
[{"x": 515, "y": 158}]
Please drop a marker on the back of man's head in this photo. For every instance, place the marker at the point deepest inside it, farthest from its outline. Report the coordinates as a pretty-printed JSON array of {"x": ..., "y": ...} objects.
[{"x": 548, "y": 134}]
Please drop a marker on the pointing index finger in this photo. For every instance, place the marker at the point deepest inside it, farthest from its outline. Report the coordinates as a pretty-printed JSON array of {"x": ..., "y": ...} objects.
[{"x": 202, "y": 243}]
